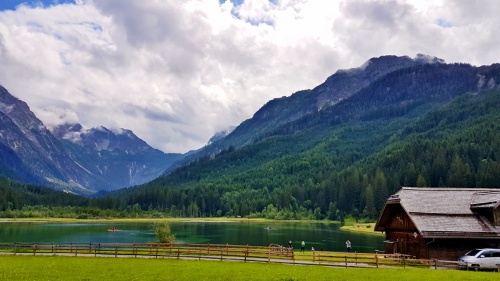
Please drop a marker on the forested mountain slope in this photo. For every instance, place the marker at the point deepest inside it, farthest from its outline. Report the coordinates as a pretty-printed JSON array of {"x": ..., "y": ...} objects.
[
  {"x": 426, "y": 124},
  {"x": 285, "y": 110}
]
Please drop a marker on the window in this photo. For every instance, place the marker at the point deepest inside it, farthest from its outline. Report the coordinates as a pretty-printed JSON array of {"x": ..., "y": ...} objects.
[
  {"x": 472, "y": 253},
  {"x": 486, "y": 254}
]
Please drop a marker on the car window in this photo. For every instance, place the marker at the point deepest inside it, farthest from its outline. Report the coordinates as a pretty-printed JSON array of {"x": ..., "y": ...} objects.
[
  {"x": 496, "y": 254},
  {"x": 486, "y": 254},
  {"x": 472, "y": 252}
]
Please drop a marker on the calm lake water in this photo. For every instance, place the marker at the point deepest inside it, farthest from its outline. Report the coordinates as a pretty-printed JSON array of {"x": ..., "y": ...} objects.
[{"x": 328, "y": 237}]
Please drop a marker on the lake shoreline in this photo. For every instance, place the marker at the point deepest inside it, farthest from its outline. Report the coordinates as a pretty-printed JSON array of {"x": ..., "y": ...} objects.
[{"x": 146, "y": 220}]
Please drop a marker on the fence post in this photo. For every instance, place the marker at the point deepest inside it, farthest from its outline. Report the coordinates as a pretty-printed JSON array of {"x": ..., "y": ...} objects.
[
  {"x": 435, "y": 264},
  {"x": 53, "y": 249},
  {"x": 156, "y": 254},
  {"x": 34, "y": 249},
  {"x": 199, "y": 253},
  {"x": 376, "y": 260},
  {"x": 345, "y": 258},
  {"x": 246, "y": 253},
  {"x": 76, "y": 250},
  {"x": 404, "y": 262},
  {"x": 116, "y": 250},
  {"x": 15, "y": 249},
  {"x": 269, "y": 254},
  {"x": 314, "y": 256},
  {"x": 227, "y": 250}
]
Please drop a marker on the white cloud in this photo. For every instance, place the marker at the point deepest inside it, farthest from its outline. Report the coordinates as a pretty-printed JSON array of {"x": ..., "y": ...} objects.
[{"x": 175, "y": 72}]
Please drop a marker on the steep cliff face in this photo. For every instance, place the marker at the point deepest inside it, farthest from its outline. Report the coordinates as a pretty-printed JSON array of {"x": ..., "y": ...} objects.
[
  {"x": 71, "y": 158},
  {"x": 41, "y": 155},
  {"x": 118, "y": 155}
]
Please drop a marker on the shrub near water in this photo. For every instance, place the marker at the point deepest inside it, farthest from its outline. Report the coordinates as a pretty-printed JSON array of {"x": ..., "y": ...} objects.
[
  {"x": 163, "y": 232},
  {"x": 96, "y": 268}
]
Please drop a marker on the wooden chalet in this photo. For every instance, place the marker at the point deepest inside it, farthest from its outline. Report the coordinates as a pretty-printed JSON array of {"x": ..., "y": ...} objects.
[{"x": 440, "y": 223}]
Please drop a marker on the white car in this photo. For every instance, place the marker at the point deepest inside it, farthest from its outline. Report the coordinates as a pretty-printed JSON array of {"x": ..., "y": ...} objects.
[{"x": 481, "y": 259}]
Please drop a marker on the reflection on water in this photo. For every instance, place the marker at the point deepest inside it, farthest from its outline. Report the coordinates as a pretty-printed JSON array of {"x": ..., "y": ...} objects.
[{"x": 318, "y": 235}]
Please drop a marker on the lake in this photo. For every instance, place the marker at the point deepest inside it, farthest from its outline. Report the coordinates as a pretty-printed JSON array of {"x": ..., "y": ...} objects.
[{"x": 324, "y": 236}]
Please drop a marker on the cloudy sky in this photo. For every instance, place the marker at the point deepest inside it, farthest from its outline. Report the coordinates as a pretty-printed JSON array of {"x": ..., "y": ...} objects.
[{"x": 177, "y": 71}]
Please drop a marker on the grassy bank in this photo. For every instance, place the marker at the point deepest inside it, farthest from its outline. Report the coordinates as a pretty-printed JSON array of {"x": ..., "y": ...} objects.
[
  {"x": 362, "y": 227},
  {"x": 89, "y": 268}
]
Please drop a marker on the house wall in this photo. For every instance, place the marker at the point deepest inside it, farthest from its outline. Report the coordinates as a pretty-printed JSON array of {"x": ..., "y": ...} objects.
[
  {"x": 441, "y": 249},
  {"x": 404, "y": 242},
  {"x": 496, "y": 216},
  {"x": 400, "y": 231},
  {"x": 452, "y": 249},
  {"x": 400, "y": 238}
]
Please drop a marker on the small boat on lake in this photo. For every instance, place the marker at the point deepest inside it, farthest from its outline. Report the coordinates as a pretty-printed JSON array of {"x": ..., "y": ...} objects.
[{"x": 113, "y": 229}]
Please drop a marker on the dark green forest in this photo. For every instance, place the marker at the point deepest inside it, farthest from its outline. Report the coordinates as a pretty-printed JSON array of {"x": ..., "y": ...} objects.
[
  {"x": 350, "y": 170},
  {"x": 345, "y": 161}
]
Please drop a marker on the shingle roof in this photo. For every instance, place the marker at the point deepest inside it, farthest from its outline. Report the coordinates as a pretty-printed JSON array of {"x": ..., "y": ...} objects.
[{"x": 439, "y": 212}]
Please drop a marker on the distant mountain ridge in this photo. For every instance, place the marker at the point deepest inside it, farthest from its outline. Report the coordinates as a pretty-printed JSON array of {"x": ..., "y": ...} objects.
[
  {"x": 345, "y": 146},
  {"x": 71, "y": 158},
  {"x": 101, "y": 138},
  {"x": 284, "y": 111}
]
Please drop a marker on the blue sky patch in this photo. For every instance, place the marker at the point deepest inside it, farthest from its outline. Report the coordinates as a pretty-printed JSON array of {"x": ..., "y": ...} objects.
[
  {"x": 235, "y": 2},
  {"x": 239, "y": 2},
  {"x": 444, "y": 23},
  {"x": 12, "y": 4}
]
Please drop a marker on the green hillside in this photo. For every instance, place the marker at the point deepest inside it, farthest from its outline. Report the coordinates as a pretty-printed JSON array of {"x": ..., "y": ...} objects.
[
  {"x": 15, "y": 196},
  {"x": 329, "y": 171},
  {"x": 422, "y": 125}
]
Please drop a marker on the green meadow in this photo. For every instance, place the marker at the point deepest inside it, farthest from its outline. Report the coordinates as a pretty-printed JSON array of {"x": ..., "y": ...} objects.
[{"x": 96, "y": 268}]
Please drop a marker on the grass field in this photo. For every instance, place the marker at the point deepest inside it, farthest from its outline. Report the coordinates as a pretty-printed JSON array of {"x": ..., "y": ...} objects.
[
  {"x": 367, "y": 228},
  {"x": 124, "y": 269}
]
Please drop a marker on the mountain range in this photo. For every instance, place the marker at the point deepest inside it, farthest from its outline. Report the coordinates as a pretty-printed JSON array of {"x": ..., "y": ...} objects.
[
  {"x": 71, "y": 158},
  {"x": 338, "y": 88},
  {"x": 340, "y": 148},
  {"x": 344, "y": 146}
]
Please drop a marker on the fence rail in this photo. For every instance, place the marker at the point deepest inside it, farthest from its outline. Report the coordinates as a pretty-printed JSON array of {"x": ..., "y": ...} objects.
[{"x": 275, "y": 254}]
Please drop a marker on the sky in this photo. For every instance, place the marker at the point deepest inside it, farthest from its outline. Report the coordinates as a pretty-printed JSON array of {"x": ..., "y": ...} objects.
[{"x": 177, "y": 71}]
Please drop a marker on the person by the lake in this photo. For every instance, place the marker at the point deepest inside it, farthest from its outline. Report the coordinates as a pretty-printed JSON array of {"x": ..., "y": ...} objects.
[
  {"x": 348, "y": 245},
  {"x": 290, "y": 245},
  {"x": 302, "y": 246}
]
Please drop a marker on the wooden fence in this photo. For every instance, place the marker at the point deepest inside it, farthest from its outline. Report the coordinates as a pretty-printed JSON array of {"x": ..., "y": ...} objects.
[{"x": 226, "y": 252}]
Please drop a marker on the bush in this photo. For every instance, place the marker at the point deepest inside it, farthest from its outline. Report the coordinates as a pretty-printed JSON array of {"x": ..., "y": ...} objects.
[{"x": 163, "y": 232}]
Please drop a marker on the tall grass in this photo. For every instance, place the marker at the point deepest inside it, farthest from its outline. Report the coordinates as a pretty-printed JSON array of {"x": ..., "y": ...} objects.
[{"x": 122, "y": 269}]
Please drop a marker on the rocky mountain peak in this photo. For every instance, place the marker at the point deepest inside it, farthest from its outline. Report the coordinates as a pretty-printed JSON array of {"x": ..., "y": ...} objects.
[
  {"x": 101, "y": 138},
  {"x": 345, "y": 82},
  {"x": 70, "y": 157},
  {"x": 221, "y": 134},
  {"x": 19, "y": 112}
]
